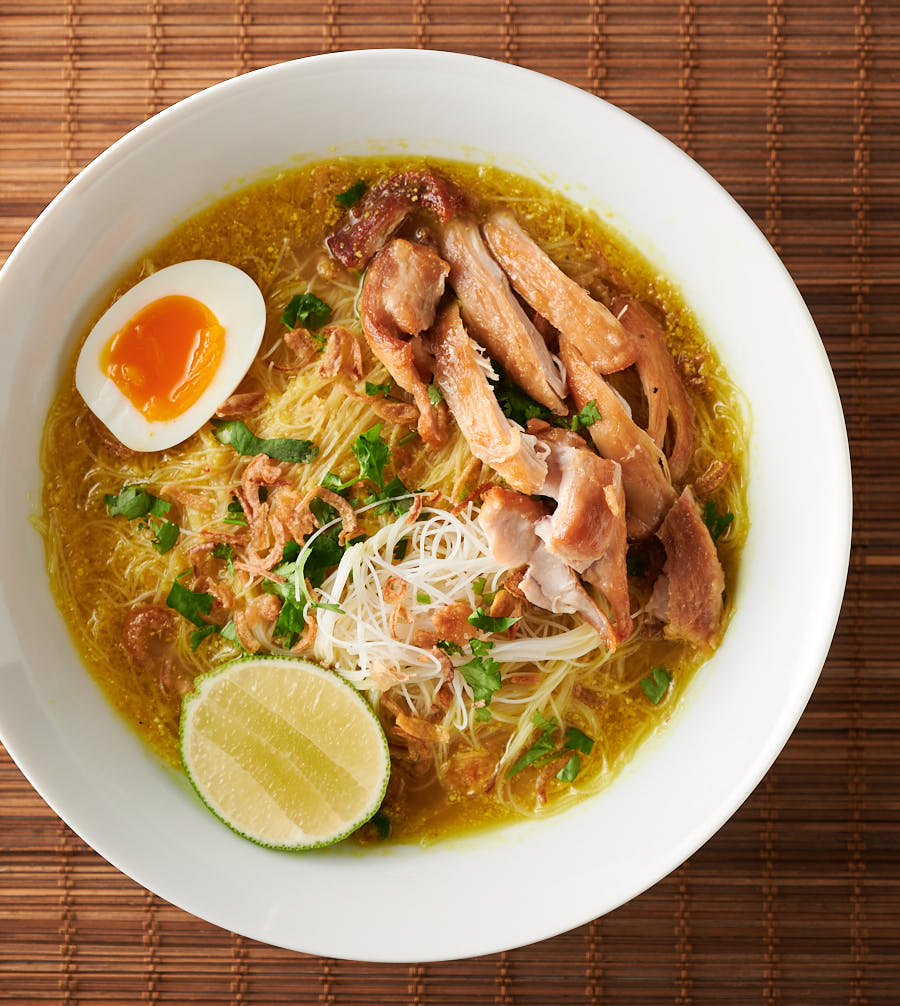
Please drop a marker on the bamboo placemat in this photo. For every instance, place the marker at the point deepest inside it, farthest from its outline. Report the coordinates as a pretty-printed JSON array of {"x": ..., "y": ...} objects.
[{"x": 795, "y": 108}]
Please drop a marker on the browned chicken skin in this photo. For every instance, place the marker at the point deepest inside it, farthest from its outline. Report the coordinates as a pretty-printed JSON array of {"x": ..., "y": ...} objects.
[
  {"x": 585, "y": 322},
  {"x": 400, "y": 292},
  {"x": 688, "y": 594},
  {"x": 491, "y": 436},
  {"x": 648, "y": 491},
  {"x": 510, "y": 521},
  {"x": 495, "y": 319}
]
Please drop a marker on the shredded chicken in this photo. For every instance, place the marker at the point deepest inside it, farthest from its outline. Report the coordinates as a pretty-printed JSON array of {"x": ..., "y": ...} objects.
[
  {"x": 688, "y": 594},
  {"x": 400, "y": 293},
  {"x": 667, "y": 401},
  {"x": 648, "y": 491},
  {"x": 588, "y": 325},
  {"x": 490, "y": 435},
  {"x": 384, "y": 208},
  {"x": 494, "y": 317},
  {"x": 510, "y": 522}
]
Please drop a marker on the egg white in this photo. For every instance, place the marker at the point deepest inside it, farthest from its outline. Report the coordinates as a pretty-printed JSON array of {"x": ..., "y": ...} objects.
[{"x": 239, "y": 306}]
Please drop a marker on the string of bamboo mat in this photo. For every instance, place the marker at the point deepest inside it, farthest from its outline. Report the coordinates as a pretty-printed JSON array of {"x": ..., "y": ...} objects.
[{"x": 794, "y": 107}]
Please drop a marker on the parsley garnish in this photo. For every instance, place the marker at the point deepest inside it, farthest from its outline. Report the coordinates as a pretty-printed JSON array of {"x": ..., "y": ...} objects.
[
  {"x": 483, "y": 677},
  {"x": 135, "y": 501},
  {"x": 235, "y": 514},
  {"x": 518, "y": 407},
  {"x": 541, "y": 748},
  {"x": 351, "y": 195},
  {"x": 571, "y": 769},
  {"x": 193, "y": 605},
  {"x": 481, "y": 620},
  {"x": 236, "y": 434},
  {"x": 657, "y": 684},
  {"x": 480, "y": 647},
  {"x": 717, "y": 523},
  {"x": 435, "y": 395},
  {"x": 307, "y": 310},
  {"x": 226, "y": 552},
  {"x": 378, "y": 389},
  {"x": 373, "y": 454},
  {"x": 588, "y": 415},
  {"x": 578, "y": 741},
  {"x": 229, "y": 632}
]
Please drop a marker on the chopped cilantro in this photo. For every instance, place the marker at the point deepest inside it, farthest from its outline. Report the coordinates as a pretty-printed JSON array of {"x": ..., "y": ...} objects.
[
  {"x": 290, "y": 622},
  {"x": 570, "y": 770},
  {"x": 193, "y": 605},
  {"x": 373, "y": 454},
  {"x": 482, "y": 714},
  {"x": 481, "y": 620},
  {"x": 657, "y": 684},
  {"x": 236, "y": 434},
  {"x": 541, "y": 748},
  {"x": 482, "y": 676},
  {"x": 478, "y": 584},
  {"x": 328, "y": 607},
  {"x": 578, "y": 741},
  {"x": 480, "y": 647},
  {"x": 229, "y": 632},
  {"x": 588, "y": 415},
  {"x": 307, "y": 310},
  {"x": 135, "y": 501},
  {"x": 448, "y": 646},
  {"x": 400, "y": 549},
  {"x": 718, "y": 523},
  {"x": 395, "y": 488},
  {"x": 236, "y": 514},
  {"x": 165, "y": 537},
  {"x": 352, "y": 195},
  {"x": 378, "y": 389},
  {"x": 422, "y": 597},
  {"x": 518, "y": 407},
  {"x": 226, "y": 552},
  {"x": 435, "y": 395}
]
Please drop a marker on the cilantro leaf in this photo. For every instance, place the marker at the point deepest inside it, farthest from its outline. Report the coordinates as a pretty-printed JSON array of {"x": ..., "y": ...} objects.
[
  {"x": 480, "y": 647},
  {"x": 542, "y": 747},
  {"x": 236, "y": 434},
  {"x": 333, "y": 482},
  {"x": 578, "y": 741},
  {"x": 307, "y": 310},
  {"x": 236, "y": 514},
  {"x": 435, "y": 395},
  {"x": 448, "y": 646},
  {"x": 400, "y": 549},
  {"x": 135, "y": 501},
  {"x": 229, "y": 632},
  {"x": 226, "y": 552},
  {"x": 378, "y": 389},
  {"x": 478, "y": 584},
  {"x": 382, "y": 824},
  {"x": 290, "y": 621},
  {"x": 192, "y": 604},
  {"x": 389, "y": 494},
  {"x": 570, "y": 770},
  {"x": 352, "y": 195},
  {"x": 588, "y": 415},
  {"x": 165, "y": 537},
  {"x": 717, "y": 523},
  {"x": 198, "y": 635},
  {"x": 482, "y": 714},
  {"x": 373, "y": 454},
  {"x": 657, "y": 684},
  {"x": 481, "y": 620},
  {"x": 328, "y": 607},
  {"x": 482, "y": 676},
  {"x": 518, "y": 407},
  {"x": 422, "y": 597}
]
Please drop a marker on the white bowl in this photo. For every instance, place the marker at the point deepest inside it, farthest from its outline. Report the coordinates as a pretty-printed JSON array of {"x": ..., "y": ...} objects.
[{"x": 524, "y": 882}]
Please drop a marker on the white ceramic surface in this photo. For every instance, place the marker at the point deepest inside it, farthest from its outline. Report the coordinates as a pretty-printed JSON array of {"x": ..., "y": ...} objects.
[{"x": 526, "y": 882}]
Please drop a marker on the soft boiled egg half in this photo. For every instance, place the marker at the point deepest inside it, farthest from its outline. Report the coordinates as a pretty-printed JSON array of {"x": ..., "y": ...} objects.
[{"x": 169, "y": 352}]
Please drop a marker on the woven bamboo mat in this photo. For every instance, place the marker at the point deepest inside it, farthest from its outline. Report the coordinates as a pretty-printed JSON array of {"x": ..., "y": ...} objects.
[{"x": 795, "y": 108}]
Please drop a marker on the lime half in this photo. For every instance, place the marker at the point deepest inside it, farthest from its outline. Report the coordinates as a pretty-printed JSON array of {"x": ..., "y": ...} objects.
[{"x": 284, "y": 752}]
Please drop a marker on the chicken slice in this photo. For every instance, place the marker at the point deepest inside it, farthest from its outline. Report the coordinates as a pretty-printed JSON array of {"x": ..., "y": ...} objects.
[
  {"x": 495, "y": 319},
  {"x": 588, "y": 325},
  {"x": 665, "y": 394},
  {"x": 491, "y": 437},
  {"x": 645, "y": 477},
  {"x": 510, "y": 521},
  {"x": 384, "y": 208},
  {"x": 399, "y": 296},
  {"x": 688, "y": 594},
  {"x": 588, "y": 530}
]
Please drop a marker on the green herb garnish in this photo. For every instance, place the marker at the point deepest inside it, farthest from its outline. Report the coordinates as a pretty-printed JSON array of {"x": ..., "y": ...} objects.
[
  {"x": 657, "y": 684},
  {"x": 481, "y": 620},
  {"x": 226, "y": 552},
  {"x": 717, "y": 523},
  {"x": 541, "y": 748},
  {"x": 193, "y": 605},
  {"x": 135, "y": 501},
  {"x": 480, "y": 647},
  {"x": 400, "y": 549},
  {"x": 588, "y": 415},
  {"x": 577, "y": 741},
  {"x": 518, "y": 406},
  {"x": 235, "y": 434},
  {"x": 483, "y": 677},
  {"x": 570, "y": 770},
  {"x": 435, "y": 395},
  {"x": 373, "y": 454},
  {"x": 378, "y": 389},
  {"x": 422, "y": 597},
  {"x": 448, "y": 646},
  {"x": 352, "y": 195},
  {"x": 307, "y": 310},
  {"x": 236, "y": 514},
  {"x": 165, "y": 537}
]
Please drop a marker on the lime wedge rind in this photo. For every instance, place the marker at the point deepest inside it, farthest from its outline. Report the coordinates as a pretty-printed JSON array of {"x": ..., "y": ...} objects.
[{"x": 356, "y": 705}]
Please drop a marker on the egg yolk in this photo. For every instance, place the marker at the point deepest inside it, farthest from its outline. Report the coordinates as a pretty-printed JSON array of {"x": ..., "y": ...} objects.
[{"x": 163, "y": 359}]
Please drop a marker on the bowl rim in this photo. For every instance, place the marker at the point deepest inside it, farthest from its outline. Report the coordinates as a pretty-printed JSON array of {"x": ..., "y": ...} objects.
[{"x": 779, "y": 732}]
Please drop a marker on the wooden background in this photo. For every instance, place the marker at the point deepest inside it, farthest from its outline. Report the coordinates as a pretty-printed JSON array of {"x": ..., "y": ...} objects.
[{"x": 794, "y": 107}]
